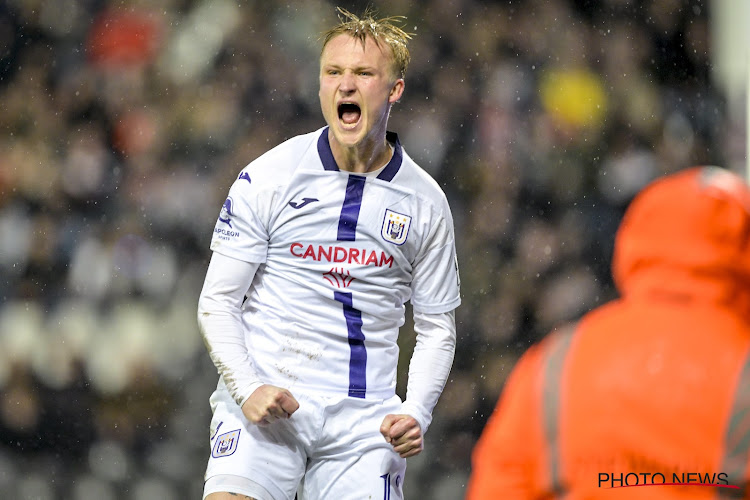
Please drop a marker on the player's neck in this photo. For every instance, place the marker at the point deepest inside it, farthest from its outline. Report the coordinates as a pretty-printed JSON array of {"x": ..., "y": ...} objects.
[{"x": 362, "y": 158}]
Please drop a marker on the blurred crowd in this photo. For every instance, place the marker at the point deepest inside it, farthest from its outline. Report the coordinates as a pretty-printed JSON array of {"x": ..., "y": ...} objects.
[{"x": 123, "y": 123}]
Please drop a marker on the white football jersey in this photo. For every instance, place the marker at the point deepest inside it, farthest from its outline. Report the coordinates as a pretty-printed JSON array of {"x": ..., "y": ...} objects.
[{"x": 340, "y": 254}]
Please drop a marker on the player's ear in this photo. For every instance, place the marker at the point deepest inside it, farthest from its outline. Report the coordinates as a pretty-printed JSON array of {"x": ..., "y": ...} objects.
[{"x": 396, "y": 91}]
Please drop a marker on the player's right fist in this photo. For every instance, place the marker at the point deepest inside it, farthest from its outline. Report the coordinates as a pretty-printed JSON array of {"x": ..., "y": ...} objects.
[{"x": 269, "y": 403}]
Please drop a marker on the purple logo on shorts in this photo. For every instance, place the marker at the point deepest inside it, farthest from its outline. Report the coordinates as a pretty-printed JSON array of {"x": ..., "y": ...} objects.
[{"x": 226, "y": 444}]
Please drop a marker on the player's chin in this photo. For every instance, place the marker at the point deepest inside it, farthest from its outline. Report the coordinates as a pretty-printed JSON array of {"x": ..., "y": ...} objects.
[
  {"x": 348, "y": 137},
  {"x": 349, "y": 131}
]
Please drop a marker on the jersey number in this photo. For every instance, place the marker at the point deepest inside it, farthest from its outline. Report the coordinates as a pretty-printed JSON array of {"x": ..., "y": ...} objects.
[{"x": 386, "y": 486}]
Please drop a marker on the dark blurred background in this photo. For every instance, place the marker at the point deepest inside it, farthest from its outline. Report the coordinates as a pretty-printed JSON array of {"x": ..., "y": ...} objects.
[{"x": 123, "y": 123}]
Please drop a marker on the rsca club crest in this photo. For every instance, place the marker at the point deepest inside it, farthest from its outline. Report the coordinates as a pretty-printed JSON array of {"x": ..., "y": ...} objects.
[
  {"x": 227, "y": 212},
  {"x": 395, "y": 227},
  {"x": 226, "y": 444}
]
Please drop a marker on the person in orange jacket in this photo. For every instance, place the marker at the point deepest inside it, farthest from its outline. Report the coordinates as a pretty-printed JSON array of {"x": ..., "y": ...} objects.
[{"x": 647, "y": 396}]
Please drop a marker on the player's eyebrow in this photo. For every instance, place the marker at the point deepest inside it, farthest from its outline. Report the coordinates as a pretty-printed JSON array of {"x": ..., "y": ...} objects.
[{"x": 355, "y": 68}]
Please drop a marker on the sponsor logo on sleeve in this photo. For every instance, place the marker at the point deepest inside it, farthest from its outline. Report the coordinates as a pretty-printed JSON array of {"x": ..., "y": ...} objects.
[
  {"x": 227, "y": 212},
  {"x": 225, "y": 218}
]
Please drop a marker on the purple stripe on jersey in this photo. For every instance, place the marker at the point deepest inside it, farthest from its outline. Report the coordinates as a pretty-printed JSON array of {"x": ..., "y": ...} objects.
[
  {"x": 398, "y": 156},
  {"x": 350, "y": 208},
  {"x": 358, "y": 359},
  {"x": 325, "y": 153}
]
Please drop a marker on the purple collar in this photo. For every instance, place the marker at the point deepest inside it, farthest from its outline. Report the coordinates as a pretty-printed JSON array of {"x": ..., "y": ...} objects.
[{"x": 387, "y": 174}]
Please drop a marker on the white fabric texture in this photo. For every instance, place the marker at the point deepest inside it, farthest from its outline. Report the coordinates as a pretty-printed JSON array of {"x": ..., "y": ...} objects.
[
  {"x": 340, "y": 254},
  {"x": 220, "y": 322},
  {"x": 430, "y": 364}
]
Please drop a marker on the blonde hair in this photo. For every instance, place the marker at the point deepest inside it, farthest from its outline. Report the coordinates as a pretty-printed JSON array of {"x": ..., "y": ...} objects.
[{"x": 379, "y": 30}]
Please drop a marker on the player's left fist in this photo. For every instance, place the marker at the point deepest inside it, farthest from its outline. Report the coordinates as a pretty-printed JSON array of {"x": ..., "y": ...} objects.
[{"x": 403, "y": 433}]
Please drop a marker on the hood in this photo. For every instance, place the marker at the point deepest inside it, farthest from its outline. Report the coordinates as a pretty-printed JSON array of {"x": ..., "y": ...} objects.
[{"x": 687, "y": 236}]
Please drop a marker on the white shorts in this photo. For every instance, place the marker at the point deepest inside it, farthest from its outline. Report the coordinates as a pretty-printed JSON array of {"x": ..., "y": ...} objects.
[{"x": 330, "y": 448}]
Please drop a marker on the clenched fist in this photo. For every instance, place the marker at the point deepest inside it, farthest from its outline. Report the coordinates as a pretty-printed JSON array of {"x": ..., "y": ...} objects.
[
  {"x": 403, "y": 433},
  {"x": 269, "y": 403}
]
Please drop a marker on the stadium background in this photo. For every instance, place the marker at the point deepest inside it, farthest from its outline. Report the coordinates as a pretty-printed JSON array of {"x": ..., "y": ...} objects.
[{"x": 122, "y": 124}]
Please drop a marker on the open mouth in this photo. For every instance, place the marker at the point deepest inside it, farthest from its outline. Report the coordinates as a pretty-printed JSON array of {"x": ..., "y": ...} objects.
[{"x": 349, "y": 113}]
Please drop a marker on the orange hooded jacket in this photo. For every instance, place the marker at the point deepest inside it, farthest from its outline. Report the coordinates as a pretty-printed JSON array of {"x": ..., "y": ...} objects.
[{"x": 648, "y": 389}]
